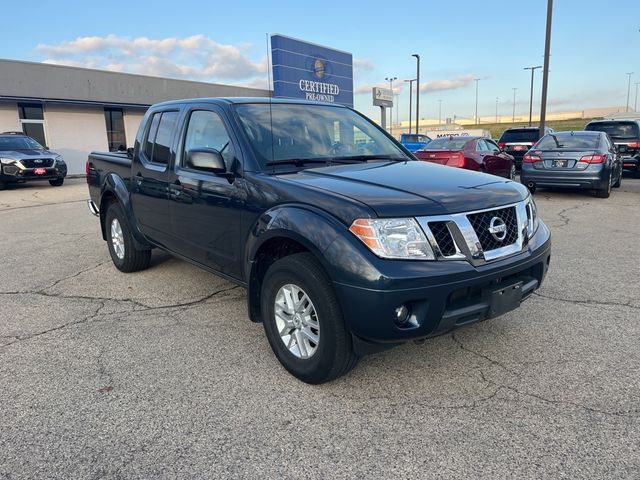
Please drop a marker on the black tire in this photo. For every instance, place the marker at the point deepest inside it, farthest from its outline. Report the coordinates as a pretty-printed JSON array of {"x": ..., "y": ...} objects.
[
  {"x": 605, "y": 192},
  {"x": 57, "y": 182},
  {"x": 334, "y": 355},
  {"x": 512, "y": 173},
  {"x": 532, "y": 189},
  {"x": 131, "y": 259},
  {"x": 618, "y": 183}
]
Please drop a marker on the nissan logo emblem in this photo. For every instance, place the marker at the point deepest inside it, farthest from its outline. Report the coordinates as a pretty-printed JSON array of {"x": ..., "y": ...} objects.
[{"x": 497, "y": 228}]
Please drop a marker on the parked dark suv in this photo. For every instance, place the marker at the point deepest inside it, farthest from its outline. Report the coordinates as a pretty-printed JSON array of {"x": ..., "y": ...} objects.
[
  {"x": 517, "y": 141},
  {"x": 23, "y": 159},
  {"x": 625, "y": 134}
]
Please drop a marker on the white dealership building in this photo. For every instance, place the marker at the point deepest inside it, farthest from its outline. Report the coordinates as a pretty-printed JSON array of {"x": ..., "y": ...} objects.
[{"x": 75, "y": 110}]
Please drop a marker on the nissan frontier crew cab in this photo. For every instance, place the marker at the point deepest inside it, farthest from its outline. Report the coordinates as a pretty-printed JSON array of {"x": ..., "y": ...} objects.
[{"x": 345, "y": 243}]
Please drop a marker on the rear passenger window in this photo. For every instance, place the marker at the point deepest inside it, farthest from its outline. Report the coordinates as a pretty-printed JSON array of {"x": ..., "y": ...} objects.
[{"x": 157, "y": 148}]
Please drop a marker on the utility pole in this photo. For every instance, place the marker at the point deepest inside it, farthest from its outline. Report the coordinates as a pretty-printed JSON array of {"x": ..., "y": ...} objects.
[
  {"x": 545, "y": 71},
  {"x": 533, "y": 69},
  {"x": 410, "y": 99},
  {"x": 477, "y": 80},
  {"x": 417, "y": 91},
  {"x": 496, "y": 109},
  {"x": 390, "y": 80},
  {"x": 440, "y": 112},
  {"x": 628, "y": 88},
  {"x": 513, "y": 117}
]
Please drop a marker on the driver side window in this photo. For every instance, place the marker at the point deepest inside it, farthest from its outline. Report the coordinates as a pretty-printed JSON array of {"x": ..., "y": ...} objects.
[{"x": 206, "y": 130}]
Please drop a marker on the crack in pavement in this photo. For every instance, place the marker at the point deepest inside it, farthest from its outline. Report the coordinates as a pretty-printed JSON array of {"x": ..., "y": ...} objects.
[
  {"x": 102, "y": 301},
  {"x": 564, "y": 217},
  {"x": 506, "y": 386},
  {"x": 60, "y": 280},
  {"x": 589, "y": 302},
  {"x": 41, "y": 205}
]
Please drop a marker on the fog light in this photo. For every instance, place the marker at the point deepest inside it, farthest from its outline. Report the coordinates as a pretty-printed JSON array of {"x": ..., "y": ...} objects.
[{"x": 402, "y": 315}]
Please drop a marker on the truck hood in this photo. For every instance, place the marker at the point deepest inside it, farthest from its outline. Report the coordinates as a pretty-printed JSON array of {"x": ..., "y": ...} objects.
[{"x": 412, "y": 188}]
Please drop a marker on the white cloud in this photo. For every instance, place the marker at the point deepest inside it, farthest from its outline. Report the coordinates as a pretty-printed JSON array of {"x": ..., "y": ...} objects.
[
  {"x": 451, "y": 84},
  {"x": 362, "y": 65},
  {"x": 195, "y": 58}
]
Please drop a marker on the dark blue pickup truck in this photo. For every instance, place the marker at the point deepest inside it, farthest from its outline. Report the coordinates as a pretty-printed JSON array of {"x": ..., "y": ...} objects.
[{"x": 345, "y": 243}]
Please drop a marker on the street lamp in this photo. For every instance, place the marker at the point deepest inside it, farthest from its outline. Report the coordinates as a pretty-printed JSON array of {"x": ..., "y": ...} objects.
[
  {"x": 476, "y": 80},
  {"x": 410, "y": 99},
  {"x": 496, "y": 109},
  {"x": 628, "y": 88},
  {"x": 439, "y": 112},
  {"x": 513, "y": 117},
  {"x": 533, "y": 69},
  {"x": 390, "y": 80},
  {"x": 417, "y": 91}
]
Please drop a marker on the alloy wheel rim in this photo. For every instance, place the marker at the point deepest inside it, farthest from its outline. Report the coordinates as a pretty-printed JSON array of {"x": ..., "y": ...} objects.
[
  {"x": 297, "y": 321},
  {"x": 117, "y": 239}
]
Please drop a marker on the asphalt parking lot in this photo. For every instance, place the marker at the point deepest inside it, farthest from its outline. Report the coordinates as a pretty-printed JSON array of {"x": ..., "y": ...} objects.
[{"x": 160, "y": 374}]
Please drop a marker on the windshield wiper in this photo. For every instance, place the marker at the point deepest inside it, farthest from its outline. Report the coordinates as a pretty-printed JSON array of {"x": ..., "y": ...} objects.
[{"x": 298, "y": 162}]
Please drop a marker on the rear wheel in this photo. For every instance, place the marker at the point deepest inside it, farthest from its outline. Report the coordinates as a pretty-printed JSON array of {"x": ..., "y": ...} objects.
[
  {"x": 56, "y": 182},
  {"x": 618, "y": 183},
  {"x": 605, "y": 192},
  {"x": 122, "y": 248},
  {"x": 512, "y": 173},
  {"x": 532, "y": 189},
  {"x": 303, "y": 320}
]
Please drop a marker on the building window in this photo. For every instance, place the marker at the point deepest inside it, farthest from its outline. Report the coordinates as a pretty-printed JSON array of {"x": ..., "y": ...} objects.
[
  {"x": 114, "y": 118},
  {"x": 32, "y": 121}
]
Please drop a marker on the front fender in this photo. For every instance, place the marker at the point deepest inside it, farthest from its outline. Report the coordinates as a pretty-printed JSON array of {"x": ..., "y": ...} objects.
[{"x": 114, "y": 185}]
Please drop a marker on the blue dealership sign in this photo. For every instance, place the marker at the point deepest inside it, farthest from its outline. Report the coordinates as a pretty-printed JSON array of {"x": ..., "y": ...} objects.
[{"x": 311, "y": 72}]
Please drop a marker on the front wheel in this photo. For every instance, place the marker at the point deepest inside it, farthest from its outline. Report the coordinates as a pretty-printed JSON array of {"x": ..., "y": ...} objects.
[
  {"x": 303, "y": 320},
  {"x": 122, "y": 248},
  {"x": 56, "y": 182}
]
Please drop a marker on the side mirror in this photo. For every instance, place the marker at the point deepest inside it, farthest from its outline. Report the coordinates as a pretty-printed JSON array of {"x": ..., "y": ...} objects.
[
  {"x": 206, "y": 159},
  {"x": 497, "y": 151},
  {"x": 46, "y": 148}
]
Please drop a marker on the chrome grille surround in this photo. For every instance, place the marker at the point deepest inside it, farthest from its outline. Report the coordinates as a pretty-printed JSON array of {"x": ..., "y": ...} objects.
[{"x": 465, "y": 238}]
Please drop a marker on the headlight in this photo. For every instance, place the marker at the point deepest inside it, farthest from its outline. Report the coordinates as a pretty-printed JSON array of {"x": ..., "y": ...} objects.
[
  {"x": 532, "y": 217},
  {"x": 6, "y": 161},
  {"x": 400, "y": 238},
  {"x": 59, "y": 159}
]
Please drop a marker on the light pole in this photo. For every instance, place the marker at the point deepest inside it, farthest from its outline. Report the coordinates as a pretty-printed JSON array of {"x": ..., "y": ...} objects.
[
  {"x": 390, "y": 80},
  {"x": 513, "y": 117},
  {"x": 410, "y": 99},
  {"x": 439, "y": 112},
  {"x": 545, "y": 70},
  {"x": 476, "y": 80},
  {"x": 417, "y": 91},
  {"x": 496, "y": 109},
  {"x": 533, "y": 69},
  {"x": 635, "y": 104},
  {"x": 628, "y": 88}
]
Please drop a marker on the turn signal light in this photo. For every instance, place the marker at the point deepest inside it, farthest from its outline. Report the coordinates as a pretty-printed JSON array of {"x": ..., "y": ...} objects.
[
  {"x": 600, "y": 158},
  {"x": 531, "y": 158}
]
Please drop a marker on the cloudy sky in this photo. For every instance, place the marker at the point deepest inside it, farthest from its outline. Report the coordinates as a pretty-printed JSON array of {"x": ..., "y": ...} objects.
[{"x": 594, "y": 45}]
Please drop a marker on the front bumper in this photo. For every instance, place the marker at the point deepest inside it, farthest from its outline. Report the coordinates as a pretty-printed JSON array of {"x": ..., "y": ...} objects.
[
  {"x": 594, "y": 177},
  {"x": 447, "y": 295},
  {"x": 13, "y": 174}
]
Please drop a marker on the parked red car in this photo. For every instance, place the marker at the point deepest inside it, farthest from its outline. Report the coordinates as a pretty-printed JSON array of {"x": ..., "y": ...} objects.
[{"x": 472, "y": 153}]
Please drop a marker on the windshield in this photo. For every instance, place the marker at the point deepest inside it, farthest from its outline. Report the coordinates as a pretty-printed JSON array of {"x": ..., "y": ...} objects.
[
  {"x": 415, "y": 138},
  {"x": 616, "y": 130},
  {"x": 307, "y": 133},
  {"x": 555, "y": 141},
  {"x": 447, "y": 143},
  {"x": 18, "y": 143},
  {"x": 514, "y": 136}
]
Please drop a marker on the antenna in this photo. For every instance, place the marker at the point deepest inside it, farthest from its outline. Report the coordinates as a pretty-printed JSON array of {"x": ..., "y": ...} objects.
[{"x": 270, "y": 99}]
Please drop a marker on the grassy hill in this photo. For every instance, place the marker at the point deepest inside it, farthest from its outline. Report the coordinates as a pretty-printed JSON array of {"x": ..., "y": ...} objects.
[{"x": 558, "y": 125}]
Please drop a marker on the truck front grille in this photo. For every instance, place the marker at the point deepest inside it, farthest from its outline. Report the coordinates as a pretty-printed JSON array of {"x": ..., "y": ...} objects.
[
  {"x": 482, "y": 221},
  {"x": 37, "y": 162}
]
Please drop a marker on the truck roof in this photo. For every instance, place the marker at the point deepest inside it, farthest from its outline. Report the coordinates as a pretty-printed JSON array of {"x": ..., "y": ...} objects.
[{"x": 240, "y": 100}]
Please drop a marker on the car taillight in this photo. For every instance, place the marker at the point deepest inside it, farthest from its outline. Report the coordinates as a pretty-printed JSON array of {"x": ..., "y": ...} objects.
[
  {"x": 600, "y": 158},
  {"x": 456, "y": 160},
  {"x": 531, "y": 158},
  {"x": 634, "y": 145},
  {"x": 501, "y": 144}
]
